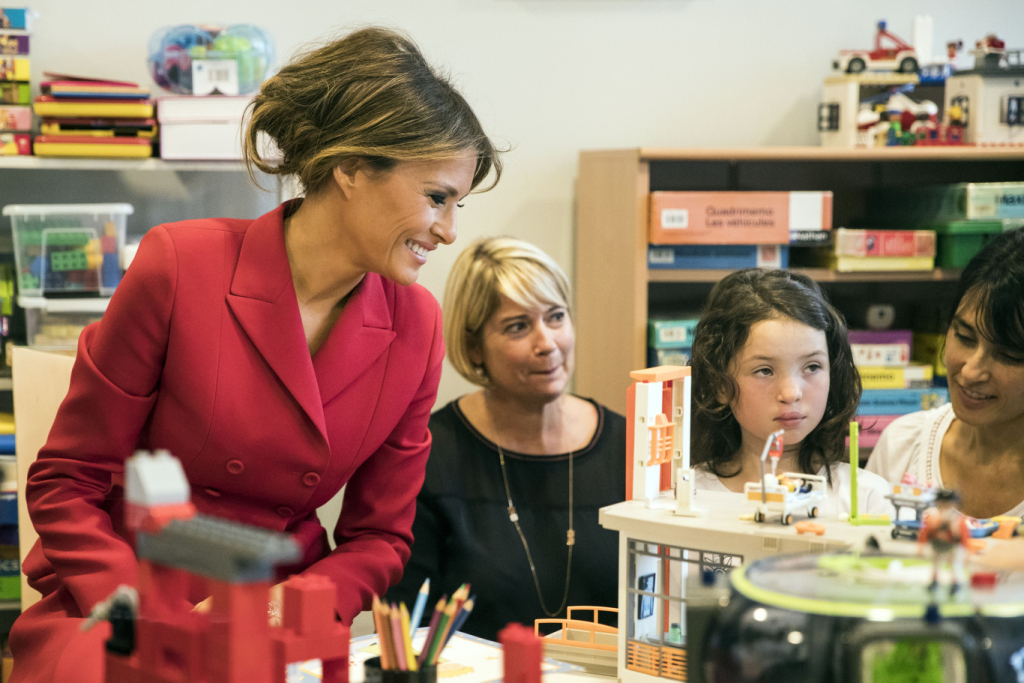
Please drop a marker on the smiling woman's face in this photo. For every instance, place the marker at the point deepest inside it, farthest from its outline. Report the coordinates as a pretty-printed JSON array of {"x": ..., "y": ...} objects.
[{"x": 527, "y": 352}]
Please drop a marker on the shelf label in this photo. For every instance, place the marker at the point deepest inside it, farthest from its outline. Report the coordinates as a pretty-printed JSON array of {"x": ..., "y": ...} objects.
[
  {"x": 675, "y": 218},
  {"x": 211, "y": 76}
]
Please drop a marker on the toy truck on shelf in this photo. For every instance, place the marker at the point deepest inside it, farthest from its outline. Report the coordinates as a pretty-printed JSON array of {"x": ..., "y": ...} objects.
[
  {"x": 782, "y": 495},
  {"x": 891, "y": 53}
]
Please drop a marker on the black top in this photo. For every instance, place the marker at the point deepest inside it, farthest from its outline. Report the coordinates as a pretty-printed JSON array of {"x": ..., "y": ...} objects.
[{"x": 463, "y": 532}]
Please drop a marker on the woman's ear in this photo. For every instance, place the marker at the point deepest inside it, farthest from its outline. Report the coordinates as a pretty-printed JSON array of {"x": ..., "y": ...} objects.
[{"x": 345, "y": 176}]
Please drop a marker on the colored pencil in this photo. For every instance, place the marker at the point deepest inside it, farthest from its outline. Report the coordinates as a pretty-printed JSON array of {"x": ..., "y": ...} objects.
[
  {"x": 410, "y": 656},
  {"x": 432, "y": 630},
  {"x": 442, "y": 631},
  {"x": 396, "y": 637},
  {"x": 378, "y": 621},
  {"x": 467, "y": 607},
  {"x": 421, "y": 604}
]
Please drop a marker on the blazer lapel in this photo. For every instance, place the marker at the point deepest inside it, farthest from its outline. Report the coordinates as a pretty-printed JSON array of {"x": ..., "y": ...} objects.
[
  {"x": 262, "y": 298},
  {"x": 362, "y": 333}
]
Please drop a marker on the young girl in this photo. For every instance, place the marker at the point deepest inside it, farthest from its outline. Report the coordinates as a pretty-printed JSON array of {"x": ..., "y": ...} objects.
[{"x": 770, "y": 353}]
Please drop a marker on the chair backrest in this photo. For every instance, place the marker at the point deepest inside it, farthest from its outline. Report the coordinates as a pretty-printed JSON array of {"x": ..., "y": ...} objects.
[{"x": 41, "y": 381}]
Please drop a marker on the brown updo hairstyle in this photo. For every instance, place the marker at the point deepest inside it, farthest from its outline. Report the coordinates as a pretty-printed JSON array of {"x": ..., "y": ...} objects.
[
  {"x": 736, "y": 303},
  {"x": 370, "y": 95}
]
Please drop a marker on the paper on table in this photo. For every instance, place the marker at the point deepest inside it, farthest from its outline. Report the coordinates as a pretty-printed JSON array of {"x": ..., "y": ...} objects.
[{"x": 466, "y": 659}]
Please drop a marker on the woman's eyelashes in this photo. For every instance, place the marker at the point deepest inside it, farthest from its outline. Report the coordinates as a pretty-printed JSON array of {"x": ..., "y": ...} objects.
[{"x": 440, "y": 200}]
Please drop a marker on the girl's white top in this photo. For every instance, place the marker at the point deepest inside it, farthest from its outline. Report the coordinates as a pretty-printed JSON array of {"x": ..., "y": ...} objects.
[
  {"x": 912, "y": 443},
  {"x": 871, "y": 491}
]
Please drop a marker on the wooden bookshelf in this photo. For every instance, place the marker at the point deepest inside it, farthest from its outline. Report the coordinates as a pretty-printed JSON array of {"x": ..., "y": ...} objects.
[{"x": 613, "y": 284}]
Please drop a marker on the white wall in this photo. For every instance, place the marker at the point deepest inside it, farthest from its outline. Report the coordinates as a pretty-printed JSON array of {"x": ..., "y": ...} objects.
[{"x": 552, "y": 77}]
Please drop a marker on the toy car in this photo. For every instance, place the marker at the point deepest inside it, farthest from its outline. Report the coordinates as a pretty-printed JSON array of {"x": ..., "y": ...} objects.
[
  {"x": 894, "y": 54},
  {"x": 793, "y": 491},
  {"x": 918, "y": 499}
]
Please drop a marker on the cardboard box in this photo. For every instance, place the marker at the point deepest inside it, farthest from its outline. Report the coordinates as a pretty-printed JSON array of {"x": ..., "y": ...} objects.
[{"x": 736, "y": 217}]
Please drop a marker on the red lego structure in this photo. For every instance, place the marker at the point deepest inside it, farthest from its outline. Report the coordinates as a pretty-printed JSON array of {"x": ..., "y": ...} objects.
[
  {"x": 522, "y": 651},
  {"x": 168, "y": 642}
]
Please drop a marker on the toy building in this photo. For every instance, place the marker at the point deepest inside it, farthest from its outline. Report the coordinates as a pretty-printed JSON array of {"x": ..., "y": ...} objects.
[
  {"x": 991, "y": 97},
  {"x": 846, "y": 114},
  {"x": 663, "y": 540},
  {"x": 158, "y": 638}
]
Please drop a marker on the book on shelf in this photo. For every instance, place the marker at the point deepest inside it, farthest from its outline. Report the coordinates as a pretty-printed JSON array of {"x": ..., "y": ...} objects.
[
  {"x": 15, "y": 144},
  {"x": 48, "y": 106},
  {"x": 15, "y": 93},
  {"x": 14, "y": 42},
  {"x": 88, "y": 146},
  {"x": 911, "y": 376},
  {"x": 972, "y": 201},
  {"x": 883, "y": 243},
  {"x": 928, "y": 348},
  {"x": 887, "y": 348},
  {"x": 103, "y": 90},
  {"x": 14, "y": 68},
  {"x": 878, "y": 264},
  {"x": 871, "y": 427},
  {"x": 105, "y": 128},
  {"x": 15, "y": 117},
  {"x": 671, "y": 333},
  {"x": 737, "y": 218},
  {"x": 900, "y": 401},
  {"x": 717, "y": 256},
  {"x": 17, "y": 18}
]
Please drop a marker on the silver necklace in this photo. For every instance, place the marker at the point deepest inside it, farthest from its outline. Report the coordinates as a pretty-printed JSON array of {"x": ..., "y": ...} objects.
[{"x": 570, "y": 536}]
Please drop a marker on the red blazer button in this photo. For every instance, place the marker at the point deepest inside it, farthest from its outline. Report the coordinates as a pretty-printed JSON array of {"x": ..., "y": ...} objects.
[
  {"x": 235, "y": 466},
  {"x": 311, "y": 479},
  {"x": 285, "y": 511}
]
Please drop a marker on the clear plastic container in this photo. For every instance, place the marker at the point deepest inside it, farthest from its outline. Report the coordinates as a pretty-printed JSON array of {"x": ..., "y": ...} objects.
[
  {"x": 52, "y": 331},
  {"x": 68, "y": 249}
]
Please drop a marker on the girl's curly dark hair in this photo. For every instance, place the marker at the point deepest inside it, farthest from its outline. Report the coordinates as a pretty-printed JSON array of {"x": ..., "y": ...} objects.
[{"x": 736, "y": 303}]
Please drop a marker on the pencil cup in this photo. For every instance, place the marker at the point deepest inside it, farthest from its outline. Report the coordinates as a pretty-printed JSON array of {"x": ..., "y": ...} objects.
[{"x": 375, "y": 674}]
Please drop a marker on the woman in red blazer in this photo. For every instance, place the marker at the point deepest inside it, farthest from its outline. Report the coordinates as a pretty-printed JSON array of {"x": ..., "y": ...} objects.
[{"x": 279, "y": 358}]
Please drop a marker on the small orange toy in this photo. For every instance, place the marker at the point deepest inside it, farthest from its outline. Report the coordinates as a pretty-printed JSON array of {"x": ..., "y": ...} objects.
[{"x": 806, "y": 527}]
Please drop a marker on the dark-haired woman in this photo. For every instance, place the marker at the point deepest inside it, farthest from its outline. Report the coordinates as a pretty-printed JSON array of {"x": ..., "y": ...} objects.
[
  {"x": 279, "y": 358},
  {"x": 975, "y": 443}
]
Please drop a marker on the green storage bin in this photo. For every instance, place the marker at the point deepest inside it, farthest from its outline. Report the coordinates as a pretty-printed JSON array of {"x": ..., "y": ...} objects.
[{"x": 956, "y": 242}]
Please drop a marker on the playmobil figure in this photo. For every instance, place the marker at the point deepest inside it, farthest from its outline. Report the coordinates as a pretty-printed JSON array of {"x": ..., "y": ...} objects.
[
  {"x": 975, "y": 442},
  {"x": 948, "y": 533},
  {"x": 770, "y": 353}
]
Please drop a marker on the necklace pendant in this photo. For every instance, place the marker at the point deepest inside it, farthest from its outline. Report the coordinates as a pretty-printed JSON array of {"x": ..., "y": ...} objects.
[
  {"x": 512, "y": 513},
  {"x": 570, "y": 537}
]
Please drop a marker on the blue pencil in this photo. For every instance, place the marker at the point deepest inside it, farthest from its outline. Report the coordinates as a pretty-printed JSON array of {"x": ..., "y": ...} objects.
[
  {"x": 467, "y": 607},
  {"x": 417, "y": 610}
]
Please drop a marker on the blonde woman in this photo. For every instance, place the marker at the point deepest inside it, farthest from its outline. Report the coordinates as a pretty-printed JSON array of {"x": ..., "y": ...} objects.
[
  {"x": 279, "y": 358},
  {"x": 519, "y": 468}
]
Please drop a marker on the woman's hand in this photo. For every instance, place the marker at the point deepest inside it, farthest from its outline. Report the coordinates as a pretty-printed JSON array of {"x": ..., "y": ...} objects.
[{"x": 275, "y": 600}]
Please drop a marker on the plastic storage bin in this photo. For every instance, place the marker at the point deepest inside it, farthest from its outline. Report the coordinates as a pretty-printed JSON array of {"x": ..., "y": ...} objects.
[
  {"x": 956, "y": 242},
  {"x": 68, "y": 249},
  {"x": 56, "y": 330}
]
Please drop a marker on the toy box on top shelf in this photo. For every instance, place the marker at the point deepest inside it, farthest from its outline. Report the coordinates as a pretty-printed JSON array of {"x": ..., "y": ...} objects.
[
  {"x": 990, "y": 95},
  {"x": 68, "y": 249}
]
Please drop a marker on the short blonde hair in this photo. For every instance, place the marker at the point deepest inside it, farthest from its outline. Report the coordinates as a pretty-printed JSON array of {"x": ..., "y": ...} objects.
[{"x": 485, "y": 271}]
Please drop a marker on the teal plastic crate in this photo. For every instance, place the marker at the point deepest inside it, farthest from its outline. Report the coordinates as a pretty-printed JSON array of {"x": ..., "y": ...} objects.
[{"x": 957, "y": 242}]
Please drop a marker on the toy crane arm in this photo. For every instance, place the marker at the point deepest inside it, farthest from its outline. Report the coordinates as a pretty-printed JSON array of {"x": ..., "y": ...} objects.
[{"x": 772, "y": 447}]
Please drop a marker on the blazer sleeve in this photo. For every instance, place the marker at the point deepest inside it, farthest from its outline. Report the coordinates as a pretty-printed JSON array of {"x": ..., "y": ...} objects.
[
  {"x": 374, "y": 532},
  {"x": 113, "y": 389}
]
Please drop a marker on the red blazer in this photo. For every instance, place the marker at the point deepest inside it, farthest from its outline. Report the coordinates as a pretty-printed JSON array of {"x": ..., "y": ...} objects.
[{"x": 202, "y": 352}]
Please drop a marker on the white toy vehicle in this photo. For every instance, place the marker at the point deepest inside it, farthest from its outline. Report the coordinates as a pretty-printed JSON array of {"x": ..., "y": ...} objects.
[{"x": 782, "y": 495}]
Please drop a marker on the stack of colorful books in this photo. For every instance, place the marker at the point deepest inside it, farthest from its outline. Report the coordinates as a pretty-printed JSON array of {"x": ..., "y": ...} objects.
[
  {"x": 15, "y": 112},
  {"x": 94, "y": 118},
  {"x": 879, "y": 250},
  {"x": 893, "y": 384},
  {"x": 728, "y": 230}
]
